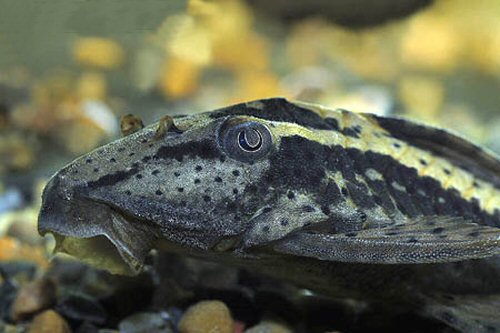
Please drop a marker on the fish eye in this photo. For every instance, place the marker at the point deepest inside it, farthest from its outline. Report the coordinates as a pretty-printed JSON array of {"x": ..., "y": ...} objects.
[
  {"x": 245, "y": 140},
  {"x": 250, "y": 140}
]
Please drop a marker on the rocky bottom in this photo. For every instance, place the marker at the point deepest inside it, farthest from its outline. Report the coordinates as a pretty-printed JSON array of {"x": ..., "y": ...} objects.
[{"x": 176, "y": 295}]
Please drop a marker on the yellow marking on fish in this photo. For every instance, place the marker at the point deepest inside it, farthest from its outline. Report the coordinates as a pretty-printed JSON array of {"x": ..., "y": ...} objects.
[{"x": 406, "y": 154}]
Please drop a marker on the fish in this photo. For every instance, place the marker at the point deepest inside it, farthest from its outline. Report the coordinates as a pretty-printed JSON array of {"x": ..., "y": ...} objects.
[{"x": 349, "y": 205}]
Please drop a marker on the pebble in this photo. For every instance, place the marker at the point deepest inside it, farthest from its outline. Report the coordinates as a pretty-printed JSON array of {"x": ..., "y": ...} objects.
[
  {"x": 269, "y": 327},
  {"x": 18, "y": 271},
  {"x": 6, "y": 328},
  {"x": 8, "y": 291},
  {"x": 49, "y": 322},
  {"x": 145, "y": 322},
  {"x": 33, "y": 297},
  {"x": 81, "y": 308},
  {"x": 207, "y": 317}
]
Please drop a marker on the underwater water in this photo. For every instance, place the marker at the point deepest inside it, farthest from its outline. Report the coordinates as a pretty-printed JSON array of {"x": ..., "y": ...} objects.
[{"x": 70, "y": 70}]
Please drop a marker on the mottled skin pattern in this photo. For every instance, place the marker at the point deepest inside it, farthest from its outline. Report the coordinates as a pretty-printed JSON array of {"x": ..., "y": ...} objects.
[{"x": 351, "y": 205}]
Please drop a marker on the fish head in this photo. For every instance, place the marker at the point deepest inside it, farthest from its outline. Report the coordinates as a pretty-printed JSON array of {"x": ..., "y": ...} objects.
[{"x": 198, "y": 188}]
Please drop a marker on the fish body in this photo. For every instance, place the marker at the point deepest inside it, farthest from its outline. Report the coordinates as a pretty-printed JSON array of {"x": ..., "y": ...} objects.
[{"x": 347, "y": 204}]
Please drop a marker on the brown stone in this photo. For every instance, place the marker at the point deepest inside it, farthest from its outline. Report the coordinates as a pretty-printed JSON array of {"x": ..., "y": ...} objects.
[
  {"x": 49, "y": 322},
  {"x": 33, "y": 297},
  {"x": 207, "y": 317}
]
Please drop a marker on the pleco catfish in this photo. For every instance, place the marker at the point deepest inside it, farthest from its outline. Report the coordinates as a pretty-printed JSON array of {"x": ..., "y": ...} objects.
[{"x": 346, "y": 204}]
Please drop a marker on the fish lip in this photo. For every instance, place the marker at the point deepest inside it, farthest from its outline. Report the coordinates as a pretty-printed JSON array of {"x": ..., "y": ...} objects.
[
  {"x": 78, "y": 221},
  {"x": 104, "y": 244}
]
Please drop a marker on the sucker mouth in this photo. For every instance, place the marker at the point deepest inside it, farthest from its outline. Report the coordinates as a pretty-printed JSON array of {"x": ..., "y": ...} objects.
[
  {"x": 119, "y": 247},
  {"x": 100, "y": 252},
  {"x": 96, "y": 232}
]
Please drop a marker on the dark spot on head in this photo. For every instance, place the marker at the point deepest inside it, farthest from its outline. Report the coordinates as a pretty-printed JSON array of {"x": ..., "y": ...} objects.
[
  {"x": 362, "y": 216},
  {"x": 396, "y": 145},
  {"x": 144, "y": 140},
  {"x": 176, "y": 174},
  {"x": 265, "y": 228},
  {"x": 150, "y": 145},
  {"x": 235, "y": 191},
  {"x": 113, "y": 178},
  {"x": 447, "y": 171},
  {"x": 412, "y": 240},
  {"x": 121, "y": 149},
  {"x": 308, "y": 209},
  {"x": 231, "y": 206},
  {"x": 112, "y": 160},
  {"x": 204, "y": 149},
  {"x": 146, "y": 159},
  {"x": 222, "y": 158},
  {"x": 437, "y": 230},
  {"x": 138, "y": 176},
  {"x": 155, "y": 172},
  {"x": 422, "y": 161},
  {"x": 131, "y": 154},
  {"x": 197, "y": 180},
  {"x": 96, "y": 169},
  {"x": 183, "y": 203},
  {"x": 290, "y": 195},
  {"x": 75, "y": 171},
  {"x": 218, "y": 179},
  {"x": 236, "y": 173},
  {"x": 127, "y": 192},
  {"x": 391, "y": 233},
  {"x": 88, "y": 160},
  {"x": 180, "y": 189},
  {"x": 158, "y": 192},
  {"x": 475, "y": 184},
  {"x": 267, "y": 210},
  {"x": 325, "y": 210},
  {"x": 344, "y": 191},
  {"x": 206, "y": 198},
  {"x": 284, "y": 223},
  {"x": 351, "y": 234},
  {"x": 474, "y": 234},
  {"x": 198, "y": 168},
  {"x": 251, "y": 188}
]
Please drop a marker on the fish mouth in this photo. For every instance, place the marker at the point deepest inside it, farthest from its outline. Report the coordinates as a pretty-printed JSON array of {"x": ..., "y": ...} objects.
[{"x": 95, "y": 232}]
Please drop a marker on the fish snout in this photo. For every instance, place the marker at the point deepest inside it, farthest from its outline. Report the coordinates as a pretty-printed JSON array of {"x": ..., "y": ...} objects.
[
  {"x": 64, "y": 207},
  {"x": 56, "y": 205}
]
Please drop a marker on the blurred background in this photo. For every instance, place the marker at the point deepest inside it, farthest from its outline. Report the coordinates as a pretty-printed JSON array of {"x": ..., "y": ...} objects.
[{"x": 70, "y": 69}]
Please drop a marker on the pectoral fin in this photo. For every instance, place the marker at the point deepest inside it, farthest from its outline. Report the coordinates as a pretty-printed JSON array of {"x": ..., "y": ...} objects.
[
  {"x": 271, "y": 223},
  {"x": 425, "y": 240}
]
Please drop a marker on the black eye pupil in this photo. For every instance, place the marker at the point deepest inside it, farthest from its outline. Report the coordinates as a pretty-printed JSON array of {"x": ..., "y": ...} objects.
[
  {"x": 250, "y": 140},
  {"x": 244, "y": 140}
]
